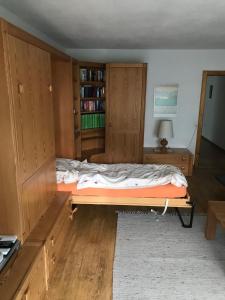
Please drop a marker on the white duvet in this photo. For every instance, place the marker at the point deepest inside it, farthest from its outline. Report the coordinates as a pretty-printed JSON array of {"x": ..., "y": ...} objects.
[{"x": 117, "y": 176}]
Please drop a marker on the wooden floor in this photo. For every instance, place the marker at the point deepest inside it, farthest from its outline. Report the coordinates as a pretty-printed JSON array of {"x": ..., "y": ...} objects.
[
  {"x": 203, "y": 185},
  {"x": 211, "y": 156},
  {"x": 85, "y": 270}
]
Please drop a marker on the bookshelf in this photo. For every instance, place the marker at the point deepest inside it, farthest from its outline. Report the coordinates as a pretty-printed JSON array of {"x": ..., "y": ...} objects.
[{"x": 89, "y": 108}]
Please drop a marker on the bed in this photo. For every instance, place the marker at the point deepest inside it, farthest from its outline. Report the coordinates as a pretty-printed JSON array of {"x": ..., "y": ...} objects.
[{"x": 125, "y": 184}]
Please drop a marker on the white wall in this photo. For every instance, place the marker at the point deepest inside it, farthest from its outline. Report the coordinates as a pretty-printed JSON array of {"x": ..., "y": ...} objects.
[
  {"x": 182, "y": 67},
  {"x": 13, "y": 19},
  {"x": 214, "y": 120}
]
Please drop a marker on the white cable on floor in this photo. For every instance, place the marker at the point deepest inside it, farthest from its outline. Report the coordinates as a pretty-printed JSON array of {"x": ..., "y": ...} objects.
[
  {"x": 164, "y": 211},
  {"x": 165, "y": 208}
]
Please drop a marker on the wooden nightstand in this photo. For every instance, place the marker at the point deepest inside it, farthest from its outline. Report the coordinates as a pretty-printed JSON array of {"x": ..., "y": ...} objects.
[{"x": 179, "y": 157}]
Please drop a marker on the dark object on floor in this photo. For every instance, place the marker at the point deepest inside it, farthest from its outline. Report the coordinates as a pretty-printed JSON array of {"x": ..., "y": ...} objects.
[{"x": 221, "y": 179}]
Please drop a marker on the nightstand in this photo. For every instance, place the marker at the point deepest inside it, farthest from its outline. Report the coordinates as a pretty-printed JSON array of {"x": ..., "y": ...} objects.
[{"x": 179, "y": 157}]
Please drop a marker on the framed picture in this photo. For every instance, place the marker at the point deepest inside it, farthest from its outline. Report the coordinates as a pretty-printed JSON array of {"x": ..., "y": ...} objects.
[{"x": 165, "y": 101}]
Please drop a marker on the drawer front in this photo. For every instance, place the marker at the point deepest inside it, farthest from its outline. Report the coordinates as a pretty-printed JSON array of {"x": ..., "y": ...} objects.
[
  {"x": 166, "y": 159},
  {"x": 55, "y": 240},
  {"x": 65, "y": 214},
  {"x": 35, "y": 284},
  {"x": 55, "y": 252},
  {"x": 181, "y": 161}
]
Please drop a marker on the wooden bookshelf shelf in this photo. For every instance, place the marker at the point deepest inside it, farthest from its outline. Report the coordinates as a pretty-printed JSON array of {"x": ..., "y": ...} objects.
[
  {"x": 91, "y": 65},
  {"x": 93, "y": 98},
  {"x": 92, "y": 133},
  {"x": 97, "y": 83},
  {"x": 92, "y": 112},
  {"x": 93, "y": 129}
]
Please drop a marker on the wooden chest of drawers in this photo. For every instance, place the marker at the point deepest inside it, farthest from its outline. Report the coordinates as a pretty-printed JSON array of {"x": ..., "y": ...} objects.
[
  {"x": 28, "y": 275},
  {"x": 179, "y": 157}
]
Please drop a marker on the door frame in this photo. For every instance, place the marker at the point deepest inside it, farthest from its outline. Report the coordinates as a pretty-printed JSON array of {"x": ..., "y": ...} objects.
[{"x": 205, "y": 76}]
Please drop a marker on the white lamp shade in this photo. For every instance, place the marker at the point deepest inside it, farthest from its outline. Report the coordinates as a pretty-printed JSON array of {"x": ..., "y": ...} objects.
[{"x": 165, "y": 129}]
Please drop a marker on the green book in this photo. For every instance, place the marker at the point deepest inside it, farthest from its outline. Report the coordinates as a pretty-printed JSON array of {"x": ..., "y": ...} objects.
[
  {"x": 86, "y": 121},
  {"x": 96, "y": 121}
]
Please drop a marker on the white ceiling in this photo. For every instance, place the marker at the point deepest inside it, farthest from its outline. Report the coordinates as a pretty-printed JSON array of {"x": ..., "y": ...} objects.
[{"x": 123, "y": 24}]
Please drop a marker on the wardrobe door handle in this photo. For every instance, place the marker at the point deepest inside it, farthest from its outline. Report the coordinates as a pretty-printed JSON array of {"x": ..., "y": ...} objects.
[
  {"x": 50, "y": 88},
  {"x": 20, "y": 88},
  {"x": 110, "y": 124},
  {"x": 52, "y": 241}
]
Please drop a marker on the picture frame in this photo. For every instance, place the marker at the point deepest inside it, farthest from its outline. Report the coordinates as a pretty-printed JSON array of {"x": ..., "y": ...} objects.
[{"x": 165, "y": 101}]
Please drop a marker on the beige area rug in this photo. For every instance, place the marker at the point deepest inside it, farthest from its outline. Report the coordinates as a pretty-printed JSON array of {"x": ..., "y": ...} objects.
[{"x": 159, "y": 259}]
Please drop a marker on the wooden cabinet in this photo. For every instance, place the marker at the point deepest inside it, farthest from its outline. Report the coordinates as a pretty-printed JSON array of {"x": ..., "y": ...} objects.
[
  {"x": 23, "y": 106},
  {"x": 51, "y": 230},
  {"x": 56, "y": 238},
  {"x": 27, "y": 170},
  {"x": 24, "y": 277},
  {"x": 179, "y": 157},
  {"x": 28, "y": 275},
  {"x": 121, "y": 95},
  {"x": 30, "y": 75},
  {"x": 35, "y": 285},
  {"x": 125, "y": 112}
]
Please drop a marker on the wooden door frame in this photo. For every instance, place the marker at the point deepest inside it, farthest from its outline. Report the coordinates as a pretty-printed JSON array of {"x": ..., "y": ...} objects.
[{"x": 205, "y": 76}]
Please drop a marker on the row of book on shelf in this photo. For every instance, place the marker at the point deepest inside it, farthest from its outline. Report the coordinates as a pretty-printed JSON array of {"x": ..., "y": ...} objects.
[
  {"x": 92, "y": 105},
  {"x": 87, "y": 74},
  {"x": 92, "y": 121},
  {"x": 92, "y": 91}
]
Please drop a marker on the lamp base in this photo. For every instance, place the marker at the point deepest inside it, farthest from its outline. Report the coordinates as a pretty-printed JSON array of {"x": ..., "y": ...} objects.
[{"x": 163, "y": 143}]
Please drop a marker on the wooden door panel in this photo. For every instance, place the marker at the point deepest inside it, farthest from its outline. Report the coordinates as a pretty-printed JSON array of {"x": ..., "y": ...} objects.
[
  {"x": 23, "y": 105},
  {"x": 124, "y": 147},
  {"x": 125, "y": 113},
  {"x": 37, "y": 193},
  {"x": 47, "y": 112},
  {"x": 39, "y": 103},
  {"x": 125, "y": 96}
]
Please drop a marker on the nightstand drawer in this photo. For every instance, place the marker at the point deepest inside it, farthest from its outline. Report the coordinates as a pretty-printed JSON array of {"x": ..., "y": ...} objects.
[
  {"x": 182, "y": 158},
  {"x": 184, "y": 168},
  {"x": 166, "y": 159}
]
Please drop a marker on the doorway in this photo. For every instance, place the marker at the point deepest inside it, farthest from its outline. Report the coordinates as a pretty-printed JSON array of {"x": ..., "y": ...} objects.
[{"x": 210, "y": 144}]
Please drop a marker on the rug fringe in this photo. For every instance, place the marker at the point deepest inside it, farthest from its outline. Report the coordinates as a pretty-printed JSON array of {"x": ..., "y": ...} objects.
[{"x": 149, "y": 212}]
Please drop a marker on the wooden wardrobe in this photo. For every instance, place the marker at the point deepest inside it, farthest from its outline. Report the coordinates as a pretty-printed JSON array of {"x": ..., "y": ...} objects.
[
  {"x": 125, "y": 103},
  {"x": 122, "y": 138},
  {"x": 27, "y": 165}
]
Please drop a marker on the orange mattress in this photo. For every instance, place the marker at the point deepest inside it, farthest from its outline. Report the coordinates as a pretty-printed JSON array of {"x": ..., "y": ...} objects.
[{"x": 162, "y": 191}]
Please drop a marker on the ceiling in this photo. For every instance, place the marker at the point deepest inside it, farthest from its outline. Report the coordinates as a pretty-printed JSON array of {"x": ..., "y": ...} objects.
[{"x": 126, "y": 24}]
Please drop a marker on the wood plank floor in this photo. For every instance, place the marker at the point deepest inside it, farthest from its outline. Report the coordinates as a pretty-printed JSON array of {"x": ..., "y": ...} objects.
[
  {"x": 203, "y": 185},
  {"x": 84, "y": 271}
]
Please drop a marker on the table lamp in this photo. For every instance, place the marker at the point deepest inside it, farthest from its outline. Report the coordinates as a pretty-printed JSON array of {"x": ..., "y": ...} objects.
[{"x": 165, "y": 132}]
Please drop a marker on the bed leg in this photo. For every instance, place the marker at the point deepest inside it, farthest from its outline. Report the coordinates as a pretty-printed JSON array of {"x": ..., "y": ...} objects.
[{"x": 187, "y": 225}]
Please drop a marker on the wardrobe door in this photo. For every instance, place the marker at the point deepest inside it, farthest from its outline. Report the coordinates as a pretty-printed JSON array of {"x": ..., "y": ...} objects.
[
  {"x": 40, "y": 66},
  {"x": 38, "y": 100},
  {"x": 125, "y": 112},
  {"x": 47, "y": 110},
  {"x": 23, "y": 106}
]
